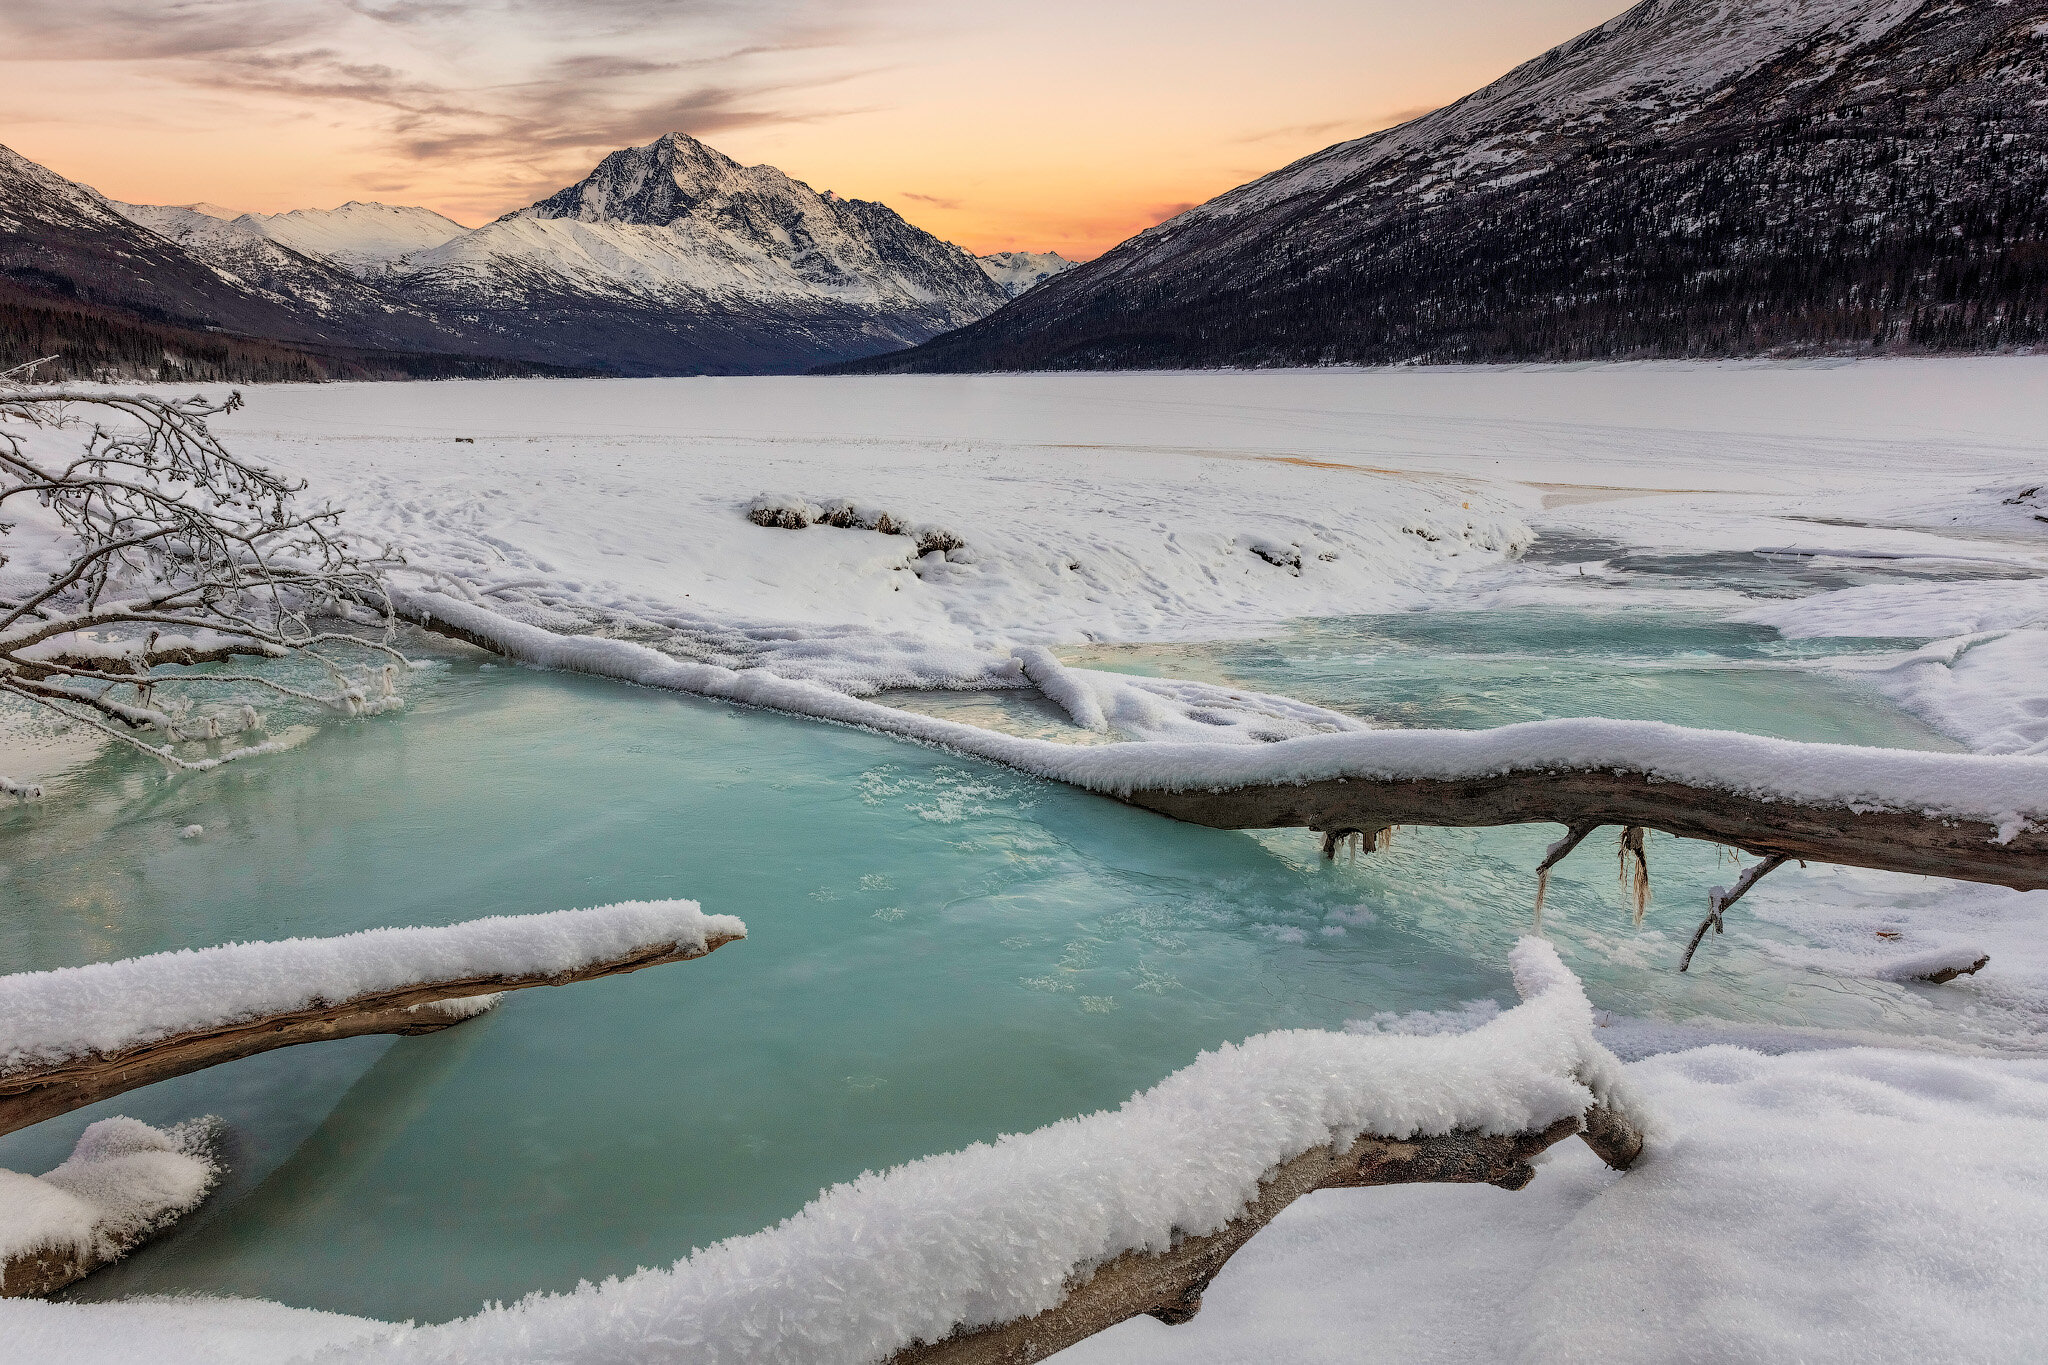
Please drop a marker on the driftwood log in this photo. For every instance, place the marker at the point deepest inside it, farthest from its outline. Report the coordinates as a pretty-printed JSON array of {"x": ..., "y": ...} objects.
[
  {"x": 1888, "y": 840},
  {"x": 1169, "y": 1285},
  {"x": 31, "y": 1095},
  {"x": 1580, "y": 800}
]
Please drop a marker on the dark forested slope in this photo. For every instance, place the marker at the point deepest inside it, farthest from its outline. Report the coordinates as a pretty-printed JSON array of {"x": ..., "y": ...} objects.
[{"x": 1693, "y": 178}]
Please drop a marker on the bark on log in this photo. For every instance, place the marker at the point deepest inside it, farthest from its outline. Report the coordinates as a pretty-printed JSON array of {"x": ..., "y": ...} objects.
[
  {"x": 34, "y": 1094},
  {"x": 1889, "y": 840},
  {"x": 1169, "y": 1285}
]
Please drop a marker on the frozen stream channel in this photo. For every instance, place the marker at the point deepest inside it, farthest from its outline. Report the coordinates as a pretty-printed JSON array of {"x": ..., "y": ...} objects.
[{"x": 941, "y": 951}]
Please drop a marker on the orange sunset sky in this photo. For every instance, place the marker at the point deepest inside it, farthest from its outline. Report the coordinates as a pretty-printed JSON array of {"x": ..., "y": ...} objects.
[{"x": 1061, "y": 125}]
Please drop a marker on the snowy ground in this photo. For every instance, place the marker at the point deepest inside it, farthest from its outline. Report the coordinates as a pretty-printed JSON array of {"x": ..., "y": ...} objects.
[{"x": 1851, "y": 1204}]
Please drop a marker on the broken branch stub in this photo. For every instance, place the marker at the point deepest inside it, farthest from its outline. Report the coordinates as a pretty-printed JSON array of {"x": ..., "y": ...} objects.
[{"x": 1719, "y": 900}]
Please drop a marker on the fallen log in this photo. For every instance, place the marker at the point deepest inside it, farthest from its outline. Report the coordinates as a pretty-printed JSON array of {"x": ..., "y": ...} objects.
[
  {"x": 42, "y": 1088},
  {"x": 1169, "y": 1285},
  {"x": 1972, "y": 817},
  {"x": 1856, "y": 835}
]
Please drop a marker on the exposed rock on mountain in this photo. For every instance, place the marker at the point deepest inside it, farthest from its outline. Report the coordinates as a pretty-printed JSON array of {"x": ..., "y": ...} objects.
[
  {"x": 1016, "y": 271},
  {"x": 1695, "y": 177},
  {"x": 672, "y": 258}
]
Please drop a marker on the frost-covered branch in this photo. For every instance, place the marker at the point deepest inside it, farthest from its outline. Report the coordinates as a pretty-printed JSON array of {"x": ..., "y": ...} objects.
[{"x": 171, "y": 552}]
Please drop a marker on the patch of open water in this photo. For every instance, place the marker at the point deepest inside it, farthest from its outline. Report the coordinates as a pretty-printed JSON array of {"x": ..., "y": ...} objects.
[{"x": 940, "y": 951}]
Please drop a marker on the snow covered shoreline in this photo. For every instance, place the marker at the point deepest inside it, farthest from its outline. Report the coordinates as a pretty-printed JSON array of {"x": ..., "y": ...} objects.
[{"x": 2007, "y": 791}]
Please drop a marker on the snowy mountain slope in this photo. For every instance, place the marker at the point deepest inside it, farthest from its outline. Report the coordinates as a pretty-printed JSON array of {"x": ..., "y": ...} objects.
[
  {"x": 132, "y": 291},
  {"x": 1016, "y": 271},
  {"x": 238, "y": 251},
  {"x": 61, "y": 238},
  {"x": 362, "y": 238},
  {"x": 667, "y": 259},
  {"x": 1694, "y": 177},
  {"x": 674, "y": 258}
]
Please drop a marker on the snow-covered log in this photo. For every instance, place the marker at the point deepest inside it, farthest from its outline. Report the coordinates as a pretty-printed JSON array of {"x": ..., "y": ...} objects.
[
  {"x": 1843, "y": 830},
  {"x": 1974, "y": 817},
  {"x": 123, "y": 1184},
  {"x": 76, "y": 1035},
  {"x": 1168, "y": 1285},
  {"x": 935, "y": 1259}
]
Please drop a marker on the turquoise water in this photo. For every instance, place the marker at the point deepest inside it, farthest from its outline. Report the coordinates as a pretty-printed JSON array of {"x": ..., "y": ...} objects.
[{"x": 940, "y": 951}]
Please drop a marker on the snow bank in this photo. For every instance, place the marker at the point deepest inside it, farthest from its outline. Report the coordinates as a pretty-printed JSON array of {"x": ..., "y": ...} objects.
[
  {"x": 49, "y": 1017},
  {"x": 174, "y": 1331},
  {"x": 1984, "y": 677},
  {"x": 1847, "y": 1207},
  {"x": 2008, "y": 791},
  {"x": 996, "y": 1231},
  {"x": 123, "y": 1182}
]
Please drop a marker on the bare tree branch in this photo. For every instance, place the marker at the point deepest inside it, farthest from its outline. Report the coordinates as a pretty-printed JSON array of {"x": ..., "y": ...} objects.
[{"x": 166, "y": 530}]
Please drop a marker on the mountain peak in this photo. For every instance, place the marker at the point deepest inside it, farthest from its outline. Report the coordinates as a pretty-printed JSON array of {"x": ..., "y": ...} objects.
[{"x": 655, "y": 184}]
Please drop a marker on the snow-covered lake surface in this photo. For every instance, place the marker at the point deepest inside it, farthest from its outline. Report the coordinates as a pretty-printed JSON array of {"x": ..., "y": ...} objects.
[{"x": 941, "y": 950}]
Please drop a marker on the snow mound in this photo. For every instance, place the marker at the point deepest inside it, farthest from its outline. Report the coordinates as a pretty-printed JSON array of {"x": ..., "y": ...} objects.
[
  {"x": 123, "y": 1181},
  {"x": 49, "y": 1017}
]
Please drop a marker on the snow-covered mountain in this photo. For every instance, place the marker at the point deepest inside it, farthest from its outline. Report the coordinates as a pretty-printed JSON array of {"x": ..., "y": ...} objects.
[
  {"x": 666, "y": 259},
  {"x": 1694, "y": 177},
  {"x": 362, "y": 238},
  {"x": 1016, "y": 271},
  {"x": 242, "y": 253},
  {"x": 154, "y": 292},
  {"x": 673, "y": 258}
]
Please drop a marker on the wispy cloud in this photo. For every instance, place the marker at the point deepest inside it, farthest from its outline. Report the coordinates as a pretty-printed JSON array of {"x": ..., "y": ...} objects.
[
  {"x": 1339, "y": 130},
  {"x": 934, "y": 200},
  {"x": 555, "y": 83}
]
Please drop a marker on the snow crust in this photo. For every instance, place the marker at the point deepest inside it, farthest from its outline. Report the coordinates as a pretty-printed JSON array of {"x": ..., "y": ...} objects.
[{"x": 49, "y": 1017}]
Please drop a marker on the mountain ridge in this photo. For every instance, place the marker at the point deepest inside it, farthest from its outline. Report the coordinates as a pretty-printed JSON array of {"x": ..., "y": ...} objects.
[
  {"x": 669, "y": 258},
  {"x": 1693, "y": 177}
]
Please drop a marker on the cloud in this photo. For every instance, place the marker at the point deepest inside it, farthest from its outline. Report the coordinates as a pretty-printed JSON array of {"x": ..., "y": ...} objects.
[
  {"x": 1344, "y": 128},
  {"x": 131, "y": 30},
  {"x": 1159, "y": 213},
  {"x": 554, "y": 85},
  {"x": 932, "y": 199}
]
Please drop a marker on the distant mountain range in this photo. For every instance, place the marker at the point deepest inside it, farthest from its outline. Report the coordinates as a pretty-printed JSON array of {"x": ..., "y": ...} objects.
[
  {"x": 667, "y": 259},
  {"x": 1693, "y": 178}
]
